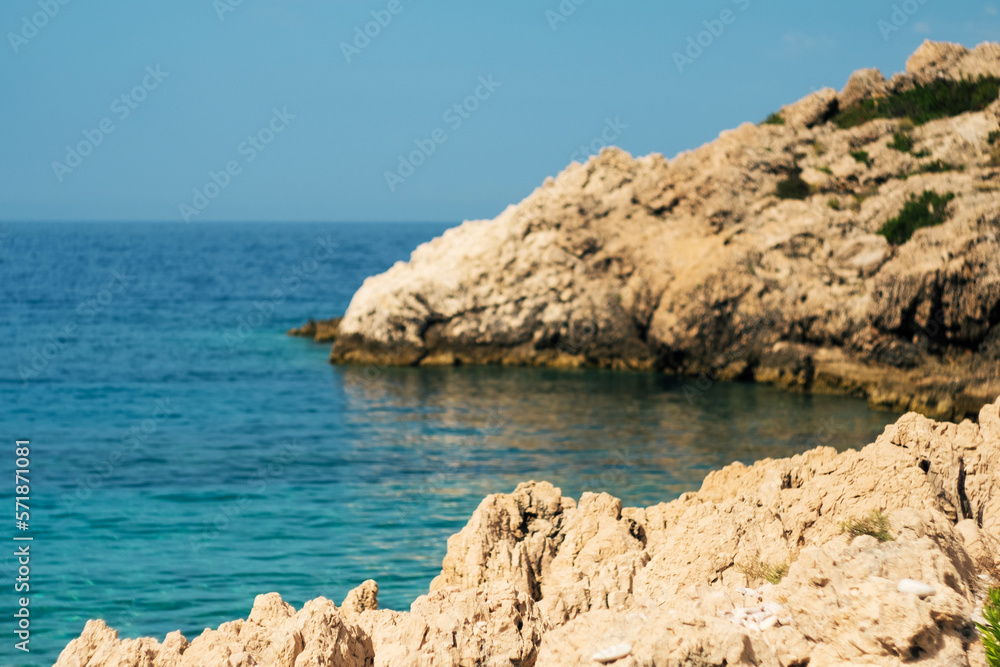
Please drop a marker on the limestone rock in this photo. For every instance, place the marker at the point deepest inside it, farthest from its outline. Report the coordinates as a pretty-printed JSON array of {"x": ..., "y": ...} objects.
[
  {"x": 272, "y": 635},
  {"x": 693, "y": 266},
  {"x": 361, "y": 599},
  {"x": 494, "y": 625},
  {"x": 934, "y": 60},
  {"x": 509, "y": 538},
  {"x": 676, "y": 587},
  {"x": 812, "y": 110},
  {"x": 865, "y": 84}
]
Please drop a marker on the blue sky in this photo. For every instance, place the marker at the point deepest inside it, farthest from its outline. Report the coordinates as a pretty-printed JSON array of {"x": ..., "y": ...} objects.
[{"x": 262, "y": 98}]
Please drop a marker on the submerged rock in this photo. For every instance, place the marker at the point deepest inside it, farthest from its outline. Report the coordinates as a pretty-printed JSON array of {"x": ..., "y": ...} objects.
[
  {"x": 537, "y": 579},
  {"x": 694, "y": 265}
]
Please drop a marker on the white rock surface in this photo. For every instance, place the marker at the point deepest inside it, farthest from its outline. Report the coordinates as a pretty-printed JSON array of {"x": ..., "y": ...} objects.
[
  {"x": 918, "y": 588},
  {"x": 612, "y": 653}
]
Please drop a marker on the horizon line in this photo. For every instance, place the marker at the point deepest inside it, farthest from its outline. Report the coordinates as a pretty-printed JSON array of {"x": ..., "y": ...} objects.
[{"x": 230, "y": 222}]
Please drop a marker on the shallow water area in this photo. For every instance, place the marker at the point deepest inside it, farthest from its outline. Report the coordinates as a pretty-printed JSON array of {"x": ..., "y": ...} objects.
[{"x": 187, "y": 455}]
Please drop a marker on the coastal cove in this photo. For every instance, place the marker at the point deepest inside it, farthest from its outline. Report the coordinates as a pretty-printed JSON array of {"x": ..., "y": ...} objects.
[
  {"x": 186, "y": 460},
  {"x": 735, "y": 407}
]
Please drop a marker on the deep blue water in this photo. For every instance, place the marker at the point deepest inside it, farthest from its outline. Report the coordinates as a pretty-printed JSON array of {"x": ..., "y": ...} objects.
[{"x": 187, "y": 455}]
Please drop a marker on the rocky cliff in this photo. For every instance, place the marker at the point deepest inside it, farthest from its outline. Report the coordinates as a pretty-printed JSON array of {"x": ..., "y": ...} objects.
[
  {"x": 880, "y": 556},
  {"x": 756, "y": 257}
]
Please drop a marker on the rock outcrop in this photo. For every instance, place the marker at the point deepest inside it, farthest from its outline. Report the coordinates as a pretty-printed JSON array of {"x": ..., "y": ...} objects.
[
  {"x": 880, "y": 556},
  {"x": 322, "y": 331},
  {"x": 694, "y": 265}
]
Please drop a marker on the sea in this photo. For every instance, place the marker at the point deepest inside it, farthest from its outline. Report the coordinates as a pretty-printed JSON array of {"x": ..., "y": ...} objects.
[{"x": 184, "y": 454}]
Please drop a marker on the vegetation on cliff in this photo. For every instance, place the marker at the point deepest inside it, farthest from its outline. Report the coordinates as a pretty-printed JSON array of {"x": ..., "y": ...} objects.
[
  {"x": 928, "y": 210},
  {"x": 923, "y": 103},
  {"x": 793, "y": 187},
  {"x": 990, "y": 630}
]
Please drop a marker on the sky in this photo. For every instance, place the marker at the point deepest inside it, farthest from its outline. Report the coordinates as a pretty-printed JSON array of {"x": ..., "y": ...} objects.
[{"x": 399, "y": 110}]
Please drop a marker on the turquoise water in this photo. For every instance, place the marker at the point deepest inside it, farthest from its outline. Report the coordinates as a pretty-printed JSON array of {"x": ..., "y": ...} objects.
[{"x": 187, "y": 455}]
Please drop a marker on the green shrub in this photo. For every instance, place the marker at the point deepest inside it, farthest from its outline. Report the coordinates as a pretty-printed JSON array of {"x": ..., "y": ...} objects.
[
  {"x": 825, "y": 170},
  {"x": 936, "y": 167},
  {"x": 902, "y": 142},
  {"x": 990, "y": 631},
  {"x": 875, "y": 523},
  {"x": 926, "y": 211},
  {"x": 758, "y": 570},
  {"x": 793, "y": 187},
  {"x": 993, "y": 136},
  {"x": 862, "y": 157},
  {"x": 939, "y": 99},
  {"x": 833, "y": 203},
  {"x": 774, "y": 119}
]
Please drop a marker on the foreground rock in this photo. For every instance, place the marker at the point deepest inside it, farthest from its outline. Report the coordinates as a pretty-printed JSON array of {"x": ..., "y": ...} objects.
[
  {"x": 694, "y": 266},
  {"x": 538, "y": 579}
]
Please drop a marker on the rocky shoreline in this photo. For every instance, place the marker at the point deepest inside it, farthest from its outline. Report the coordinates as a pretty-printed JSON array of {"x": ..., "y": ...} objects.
[
  {"x": 881, "y": 556},
  {"x": 756, "y": 257},
  {"x": 778, "y": 253}
]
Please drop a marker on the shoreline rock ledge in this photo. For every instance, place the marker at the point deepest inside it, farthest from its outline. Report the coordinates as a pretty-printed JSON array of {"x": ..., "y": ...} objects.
[
  {"x": 881, "y": 556},
  {"x": 695, "y": 266}
]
